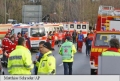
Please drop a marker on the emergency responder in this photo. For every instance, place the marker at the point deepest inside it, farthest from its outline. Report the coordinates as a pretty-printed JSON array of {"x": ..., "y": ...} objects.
[
  {"x": 74, "y": 34},
  {"x": 113, "y": 50},
  {"x": 12, "y": 46},
  {"x": 18, "y": 36},
  {"x": 47, "y": 64},
  {"x": 49, "y": 37},
  {"x": 53, "y": 40},
  {"x": 88, "y": 42},
  {"x": 27, "y": 41},
  {"x": 15, "y": 37},
  {"x": 19, "y": 62},
  {"x": 67, "y": 34},
  {"x": 5, "y": 43},
  {"x": 80, "y": 41},
  {"x": 60, "y": 36},
  {"x": 38, "y": 57},
  {"x": 67, "y": 52}
]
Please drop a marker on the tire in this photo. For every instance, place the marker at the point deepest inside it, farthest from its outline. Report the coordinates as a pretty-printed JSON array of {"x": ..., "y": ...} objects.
[{"x": 93, "y": 71}]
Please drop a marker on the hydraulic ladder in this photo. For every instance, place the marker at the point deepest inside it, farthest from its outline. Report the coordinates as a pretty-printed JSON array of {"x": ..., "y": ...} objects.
[{"x": 105, "y": 11}]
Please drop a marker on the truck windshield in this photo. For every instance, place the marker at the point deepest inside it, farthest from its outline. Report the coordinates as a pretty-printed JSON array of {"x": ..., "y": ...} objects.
[
  {"x": 37, "y": 32},
  {"x": 103, "y": 39}
]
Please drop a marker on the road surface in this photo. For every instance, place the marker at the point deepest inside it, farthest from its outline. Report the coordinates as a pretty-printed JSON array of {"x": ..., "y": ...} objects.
[{"x": 81, "y": 64}]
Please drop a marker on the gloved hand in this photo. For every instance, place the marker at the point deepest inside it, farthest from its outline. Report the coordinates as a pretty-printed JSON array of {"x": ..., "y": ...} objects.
[{"x": 34, "y": 62}]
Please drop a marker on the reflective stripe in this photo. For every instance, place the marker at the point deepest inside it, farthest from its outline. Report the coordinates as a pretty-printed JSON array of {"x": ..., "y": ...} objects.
[
  {"x": 6, "y": 46},
  {"x": 15, "y": 57},
  {"x": 28, "y": 66},
  {"x": 14, "y": 66},
  {"x": 19, "y": 66}
]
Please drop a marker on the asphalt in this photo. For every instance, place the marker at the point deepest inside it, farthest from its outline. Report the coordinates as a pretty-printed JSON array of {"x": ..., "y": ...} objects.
[{"x": 81, "y": 64}]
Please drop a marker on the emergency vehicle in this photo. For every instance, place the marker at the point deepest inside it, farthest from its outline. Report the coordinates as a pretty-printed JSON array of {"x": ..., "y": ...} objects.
[
  {"x": 84, "y": 26},
  {"x": 53, "y": 27},
  {"x": 103, "y": 35},
  {"x": 36, "y": 32}
]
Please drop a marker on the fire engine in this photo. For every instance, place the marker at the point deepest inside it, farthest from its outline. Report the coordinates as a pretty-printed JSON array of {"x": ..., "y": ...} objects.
[
  {"x": 107, "y": 28},
  {"x": 70, "y": 26}
]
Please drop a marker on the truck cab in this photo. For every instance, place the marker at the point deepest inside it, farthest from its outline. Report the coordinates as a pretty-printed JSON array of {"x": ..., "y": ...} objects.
[{"x": 100, "y": 44}]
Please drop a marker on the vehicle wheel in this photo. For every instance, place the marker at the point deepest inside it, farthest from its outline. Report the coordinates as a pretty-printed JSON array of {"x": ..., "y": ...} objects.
[{"x": 93, "y": 71}]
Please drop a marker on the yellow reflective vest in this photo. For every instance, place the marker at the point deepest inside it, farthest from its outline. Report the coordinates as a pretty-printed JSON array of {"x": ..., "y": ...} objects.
[
  {"x": 20, "y": 62},
  {"x": 73, "y": 52},
  {"x": 47, "y": 64}
]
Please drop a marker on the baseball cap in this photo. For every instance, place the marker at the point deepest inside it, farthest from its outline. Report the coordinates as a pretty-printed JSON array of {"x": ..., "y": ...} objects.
[{"x": 47, "y": 45}]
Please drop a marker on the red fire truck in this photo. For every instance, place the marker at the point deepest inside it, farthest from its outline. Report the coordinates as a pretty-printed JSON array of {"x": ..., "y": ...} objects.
[{"x": 107, "y": 28}]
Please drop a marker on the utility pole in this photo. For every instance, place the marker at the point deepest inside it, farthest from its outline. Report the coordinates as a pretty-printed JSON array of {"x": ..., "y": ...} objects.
[{"x": 5, "y": 11}]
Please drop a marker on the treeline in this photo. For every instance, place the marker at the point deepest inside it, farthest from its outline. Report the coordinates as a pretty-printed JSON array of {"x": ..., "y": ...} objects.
[{"x": 59, "y": 10}]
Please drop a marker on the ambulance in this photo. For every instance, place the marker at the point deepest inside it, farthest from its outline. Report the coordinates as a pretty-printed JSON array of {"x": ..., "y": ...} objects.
[
  {"x": 84, "y": 26},
  {"x": 102, "y": 36},
  {"x": 36, "y": 33},
  {"x": 53, "y": 27}
]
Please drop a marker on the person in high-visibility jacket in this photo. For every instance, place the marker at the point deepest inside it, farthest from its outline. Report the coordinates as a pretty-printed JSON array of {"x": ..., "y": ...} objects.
[
  {"x": 47, "y": 64},
  {"x": 113, "y": 50},
  {"x": 20, "y": 61},
  {"x": 67, "y": 52}
]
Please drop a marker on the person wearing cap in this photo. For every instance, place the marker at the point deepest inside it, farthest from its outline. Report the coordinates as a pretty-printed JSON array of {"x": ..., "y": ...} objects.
[
  {"x": 67, "y": 51},
  {"x": 20, "y": 60},
  {"x": 47, "y": 64},
  {"x": 113, "y": 49}
]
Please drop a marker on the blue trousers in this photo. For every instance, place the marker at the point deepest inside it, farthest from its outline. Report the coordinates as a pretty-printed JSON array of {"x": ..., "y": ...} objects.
[
  {"x": 88, "y": 49},
  {"x": 35, "y": 70},
  {"x": 67, "y": 68}
]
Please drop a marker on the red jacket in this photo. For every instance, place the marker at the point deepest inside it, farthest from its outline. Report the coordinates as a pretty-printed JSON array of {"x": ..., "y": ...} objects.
[
  {"x": 67, "y": 35},
  {"x": 53, "y": 38},
  {"x": 3, "y": 43},
  {"x": 6, "y": 44},
  {"x": 112, "y": 49},
  {"x": 16, "y": 40},
  {"x": 12, "y": 46}
]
